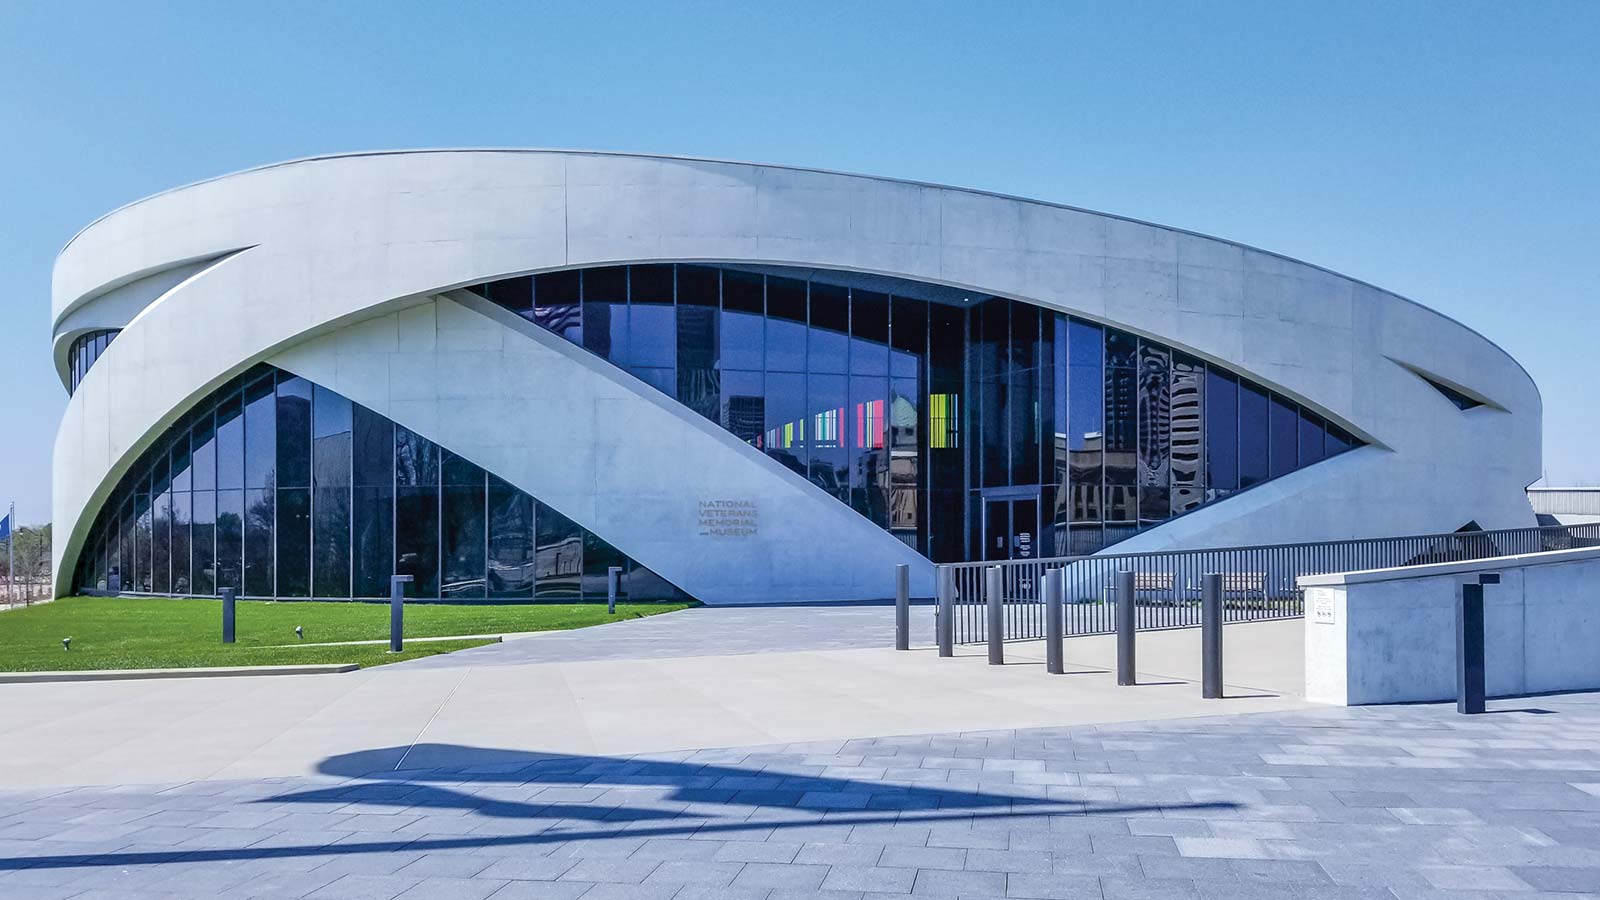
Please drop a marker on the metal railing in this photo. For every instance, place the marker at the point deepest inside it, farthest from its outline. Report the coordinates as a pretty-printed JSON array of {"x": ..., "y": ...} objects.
[{"x": 1258, "y": 582}]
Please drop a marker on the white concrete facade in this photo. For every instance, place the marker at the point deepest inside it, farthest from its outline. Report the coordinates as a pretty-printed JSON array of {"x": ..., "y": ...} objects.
[
  {"x": 1388, "y": 635},
  {"x": 331, "y": 268}
]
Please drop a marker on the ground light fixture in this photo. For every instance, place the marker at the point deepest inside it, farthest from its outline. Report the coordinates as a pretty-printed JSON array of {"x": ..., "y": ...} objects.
[
  {"x": 299, "y": 632},
  {"x": 66, "y": 643}
]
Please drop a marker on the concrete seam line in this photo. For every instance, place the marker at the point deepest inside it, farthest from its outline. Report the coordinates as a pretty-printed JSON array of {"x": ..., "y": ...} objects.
[{"x": 428, "y": 724}]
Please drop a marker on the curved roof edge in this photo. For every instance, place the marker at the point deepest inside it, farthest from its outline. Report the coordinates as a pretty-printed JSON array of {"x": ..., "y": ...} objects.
[{"x": 735, "y": 162}]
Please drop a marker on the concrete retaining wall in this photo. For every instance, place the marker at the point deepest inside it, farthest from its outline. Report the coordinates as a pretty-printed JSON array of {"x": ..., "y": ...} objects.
[{"x": 1388, "y": 635}]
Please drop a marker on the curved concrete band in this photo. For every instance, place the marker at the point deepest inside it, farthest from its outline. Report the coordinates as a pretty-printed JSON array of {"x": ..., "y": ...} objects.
[{"x": 341, "y": 269}]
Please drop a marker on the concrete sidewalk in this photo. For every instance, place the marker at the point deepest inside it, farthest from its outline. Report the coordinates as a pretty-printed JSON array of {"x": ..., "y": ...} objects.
[{"x": 135, "y": 732}]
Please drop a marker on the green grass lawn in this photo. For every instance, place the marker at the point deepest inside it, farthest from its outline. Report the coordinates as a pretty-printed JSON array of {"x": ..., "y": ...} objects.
[{"x": 129, "y": 633}]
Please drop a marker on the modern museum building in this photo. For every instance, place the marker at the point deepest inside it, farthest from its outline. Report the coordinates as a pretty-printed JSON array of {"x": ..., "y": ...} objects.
[{"x": 503, "y": 372}]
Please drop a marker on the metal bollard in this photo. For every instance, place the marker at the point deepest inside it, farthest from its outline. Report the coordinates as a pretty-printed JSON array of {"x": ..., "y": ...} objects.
[
  {"x": 944, "y": 586},
  {"x": 1470, "y": 675},
  {"x": 397, "y": 597},
  {"x": 1126, "y": 611},
  {"x": 613, "y": 588},
  {"x": 1051, "y": 587},
  {"x": 993, "y": 579},
  {"x": 902, "y": 607},
  {"x": 227, "y": 614},
  {"x": 1211, "y": 636}
]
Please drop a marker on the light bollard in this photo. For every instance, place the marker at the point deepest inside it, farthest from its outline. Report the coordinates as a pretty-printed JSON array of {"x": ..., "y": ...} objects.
[
  {"x": 902, "y": 607},
  {"x": 397, "y": 597},
  {"x": 994, "y": 579},
  {"x": 227, "y": 614},
  {"x": 1211, "y": 636},
  {"x": 1126, "y": 611},
  {"x": 1471, "y": 676},
  {"x": 613, "y": 588},
  {"x": 1051, "y": 585},
  {"x": 944, "y": 585}
]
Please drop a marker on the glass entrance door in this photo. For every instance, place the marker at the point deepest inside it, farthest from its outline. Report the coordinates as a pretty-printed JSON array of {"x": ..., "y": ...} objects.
[{"x": 1010, "y": 526}]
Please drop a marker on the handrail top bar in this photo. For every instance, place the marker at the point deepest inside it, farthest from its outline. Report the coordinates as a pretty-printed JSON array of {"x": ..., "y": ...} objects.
[
  {"x": 1453, "y": 567},
  {"x": 1184, "y": 551}
]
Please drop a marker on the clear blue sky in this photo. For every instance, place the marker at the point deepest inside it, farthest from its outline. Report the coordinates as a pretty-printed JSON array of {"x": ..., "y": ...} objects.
[{"x": 1446, "y": 151}]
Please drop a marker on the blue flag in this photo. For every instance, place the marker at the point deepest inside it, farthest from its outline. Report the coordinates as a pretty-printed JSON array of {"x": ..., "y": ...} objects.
[{"x": 5, "y": 527}]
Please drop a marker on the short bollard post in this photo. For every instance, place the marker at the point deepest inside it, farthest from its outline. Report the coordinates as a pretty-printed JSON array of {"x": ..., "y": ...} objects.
[
  {"x": 1470, "y": 677},
  {"x": 1211, "y": 636},
  {"x": 1126, "y": 610},
  {"x": 613, "y": 588},
  {"x": 1050, "y": 588},
  {"x": 227, "y": 615},
  {"x": 902, "y": 607},
  {"x": 944, "y": 585},
  {"x": 993, "y": 580},
  {"x": 397, "y": 597}
]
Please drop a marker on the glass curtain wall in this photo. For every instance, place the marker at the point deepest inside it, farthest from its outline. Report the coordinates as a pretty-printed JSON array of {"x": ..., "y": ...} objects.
[
  {"x": 281, "y": 488},
  {"x": 924, "y": 408},
  {"x": 83, "y": 353}
]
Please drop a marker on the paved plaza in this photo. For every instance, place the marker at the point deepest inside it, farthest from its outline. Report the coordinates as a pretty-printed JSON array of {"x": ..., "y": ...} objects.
[
  {"x": 1401, "y": 802},
  {"x": 552, "y": 767}
]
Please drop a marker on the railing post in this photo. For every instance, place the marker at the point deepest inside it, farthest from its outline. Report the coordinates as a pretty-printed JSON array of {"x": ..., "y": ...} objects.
[
  {"x": 1211, "y": 636},
  {"x": 902, "y": 607},
  {"x": 1053, "y": 583},
  {"x": 1126, "y": 611},
  {"x": 945, "y": 586},
  {"x": 1470, "y": 676},
  {"x": 227, "y": 615},
  {"x": 993, "y": 582},
  {"x": 397, "y": 597},
  {"x": 613, "y": 588}
]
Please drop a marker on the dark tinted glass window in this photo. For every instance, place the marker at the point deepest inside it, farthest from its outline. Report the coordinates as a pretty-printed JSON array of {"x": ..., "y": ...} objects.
[
  {"x": 294, "y": 432},
  {"x": 909, "y": 337},
  {"x": 743, "y": 406},
  {"x": 416, "y": 459},
  {"x": 785, "y": 438},
  {"x": 182, "y": 474},
  {"x": 261, "y": 434},
  {"x": 464, "y": 529},
  {"x": 1222, "y": 433},
  {"x": 230, "y": 540},
  {"x": 1155, "y": 432},
  {"x": 1188, "y": 436},
  {"x": 161, "y": 543},
  {"x": 828, "y": 429},
  {"x": 230, "y": 443},
  {"x": 203, "y": 544},
  {"x": 514, "y": 294},
  {"x": 373, "y": 449},
  {"x": 416, "y": 537},
  {"x": 1121, "y": 349},
  {"x": 1086, "y": 420},
  {"x": 598, "y": 557},
  {"x": 828, "y": 346},
  {"x": 181, "y": 549},
  {"x": 259, "y": 515},
  {"x": 651, "y": 284},
  {"x": 558, "y": 556},
  {"x": 1311, "y": 431},
  {"x": 1338, "y": 440},
  {"x": 294, "y": 542},
  {"x": 786, "y": 325},
  {"x": 869, "y": 333},
  {"x": 868, "y": 452},
  {"x": 1285, "y": 437},
  {"x": 555, "y": 304},
  {"x": 510, "y": 547},
  {"x": 204, "y": 459},
  {"x": 605, "y": 312},
  {"x": 697, "y": 354},
  {"x": 743, "y": 329},
  {"x": 372, "y": 539},
  {"x": 652, "y": 326},
  {"x": 1253, "y": 431}
]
